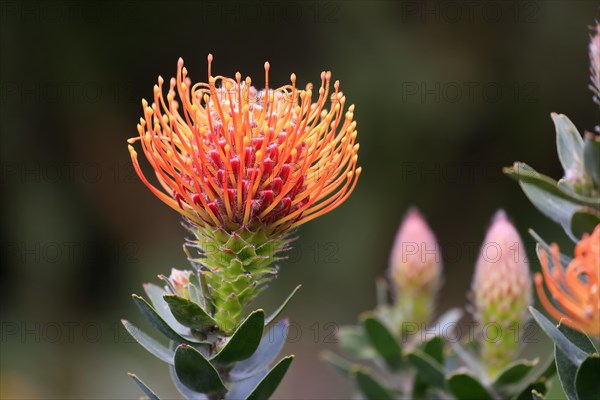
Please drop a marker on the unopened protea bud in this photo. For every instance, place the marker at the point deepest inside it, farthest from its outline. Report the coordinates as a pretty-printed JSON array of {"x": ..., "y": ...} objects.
[
  {"x": 415, "y": 269},
  {"x": 180, "y": 282},
  {"x": 501, "y": 293},
  {"x": 244, "y": 168}
]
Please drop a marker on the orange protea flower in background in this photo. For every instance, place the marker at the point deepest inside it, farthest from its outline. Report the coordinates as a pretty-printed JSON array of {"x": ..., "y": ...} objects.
[
  {"x": 575, "y": 289},
  {"x": 245, "y": 167},
  {"x": 229, "y": 156}
]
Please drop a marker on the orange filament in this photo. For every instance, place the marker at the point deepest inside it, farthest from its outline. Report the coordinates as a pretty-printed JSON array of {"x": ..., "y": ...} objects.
[
  {"x": 575, "y": 290},
  {"x": 230, "y": 156}
]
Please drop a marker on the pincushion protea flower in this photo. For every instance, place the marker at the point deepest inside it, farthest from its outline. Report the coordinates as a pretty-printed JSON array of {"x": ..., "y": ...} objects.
[
  {"x": 415, "y": 268},
  {"x": 501, "y": 292},
  {"x": 575, "y": 289},
  {"x": 244, "y": 168}
]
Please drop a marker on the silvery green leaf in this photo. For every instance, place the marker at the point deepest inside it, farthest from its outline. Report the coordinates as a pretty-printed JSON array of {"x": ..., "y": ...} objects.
[
  {"x": 244, "y": 341},
  {"x": 147, "y": 391},
  {"x": 587, "y": 383},
  {"x": 270, "y": 346},
  {"x": 154, "y": 347},
  {"x": 184, "y": 390},
  {"x": 569, "y": 143},
  {"x": 155, "y": 293},
  {"x": 276, "y": 313},
  {"x": 156, "y": 320},
  {"x": 196, "y": 372},
  {"x": 267, "y": 386}
]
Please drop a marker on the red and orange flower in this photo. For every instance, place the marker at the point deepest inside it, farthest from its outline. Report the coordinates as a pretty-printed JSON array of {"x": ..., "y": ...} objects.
[
  {"x": 230, "y": 156},
  {"x": 575, "y": 289}
]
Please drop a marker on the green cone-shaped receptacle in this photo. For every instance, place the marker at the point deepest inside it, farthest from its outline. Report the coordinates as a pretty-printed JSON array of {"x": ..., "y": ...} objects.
[{"x": 235, "y": 267}]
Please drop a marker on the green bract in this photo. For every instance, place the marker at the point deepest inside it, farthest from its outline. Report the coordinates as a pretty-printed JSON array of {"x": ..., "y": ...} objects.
[{"x": 234, "y": 268}]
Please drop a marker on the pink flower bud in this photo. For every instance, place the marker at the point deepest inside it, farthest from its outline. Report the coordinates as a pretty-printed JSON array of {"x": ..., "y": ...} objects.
[
  {"x": 501, "y": 292},
  {"x": 180, "y": 281},
  {"x": 415, "y": 268}
]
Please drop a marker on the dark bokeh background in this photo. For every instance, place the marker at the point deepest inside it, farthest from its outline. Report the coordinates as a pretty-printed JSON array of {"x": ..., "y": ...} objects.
[{"x": 446, "y": 94}]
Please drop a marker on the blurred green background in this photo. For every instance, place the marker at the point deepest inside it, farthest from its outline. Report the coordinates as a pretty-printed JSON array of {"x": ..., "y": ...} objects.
[{"x": 446, "y": 94}]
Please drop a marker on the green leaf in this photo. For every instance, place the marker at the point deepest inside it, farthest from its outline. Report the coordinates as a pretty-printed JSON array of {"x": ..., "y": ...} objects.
[
  {"x": 535, "y": 395},
  {"x": 429, "y": 369},
  {"x": 270, "y": 345},
  {"x": 567, "y": 371},
  {"x": 269, "y": 383},
  {"x": 448, "y": 319},
  {"x": 552, "y": 205},
  {"x": 276, "y": 313},
  {"x": 514, "y": 372},
  {"x": 466, "y": 356},
  {"x": 154, "y": 347},
  {"x": 419, "y": 388},
  {"x": 186, "y": 392},
  {"x": 591, "y": 157},
  {"x": 465, "y": 386},
  {"x": 188, "y": 313},
  {"x": 370, "y": 387},
  {"x": 241, "y": 389},
  {"x": 579, "y": 339},
  {"x": 536, "y": 390},
  {"x": 353, "y": 341},
  {"x": 584, "y": 221},
  {"x": 548, "y": 369},
  {"x": 567, "y": 368},
  {"x": 152, "y": 316},
  {"x": 573, "y": 353},
  {"x": 147, "y": 391},
  {"x": 434, "y": 348},
  {"x": 538, "y": 379},
  {"x": 244, "y": 341},
  {"x": 155, "y": 293},
  {"x": 340, "y": 364},
  {"x": 568, "y": 143},
  {"x": 524, "y": 173},
  {"x": 587, "y": 379},
  {"x": 545, "y": 194},
  {"x": 383, "y": 341},
  {"x": 195, "y": 291},
  {"x": 196, "y": 372}
]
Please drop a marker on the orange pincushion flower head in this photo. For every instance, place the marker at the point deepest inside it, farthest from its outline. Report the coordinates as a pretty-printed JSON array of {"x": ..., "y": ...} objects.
[
  {"x": 245, "y": 167},
  {"x": 229, "y": 156},
  {"x": 576, "y": 289}
]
